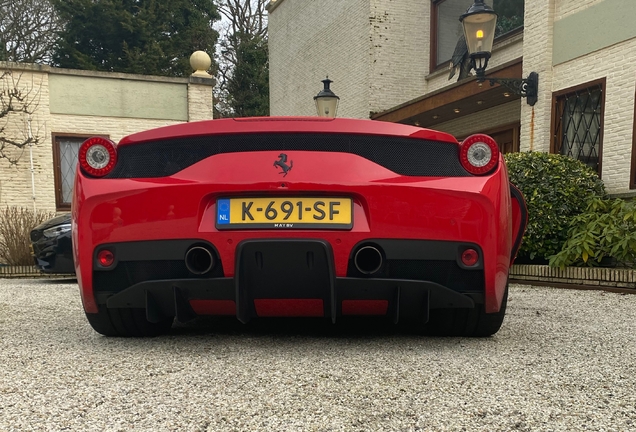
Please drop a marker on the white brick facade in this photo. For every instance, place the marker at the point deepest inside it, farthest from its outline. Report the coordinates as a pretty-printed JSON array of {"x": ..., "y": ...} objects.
[
  {"x": 310, "y": 40},
  {"x": 395, "y": 37},
  {"x": 362, "y": 46},
  {"x": 15, "y": 180},
  {"x": 376, "y": 51},
  {"x": 616, "y": 63},
  {"x": 619, "y": 69},
  {"x": 399, "y": 52},
  {"x": 537, "y": 55}
]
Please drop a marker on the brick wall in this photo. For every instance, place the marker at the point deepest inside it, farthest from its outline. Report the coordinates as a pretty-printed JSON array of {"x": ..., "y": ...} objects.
[
  {"x": 619, "y": 69},
  {"x": 309, "y": 40},
  {"x": 306, "y": 37},
  {"x": 200, "y": 100},
  {"x": 400, "y": 51},
  {"x": 15, "y": 180},
  {"x": 616, "y": 63},
  {"x": 537, "y": 55},
  {"x": 375, "y": 51}
]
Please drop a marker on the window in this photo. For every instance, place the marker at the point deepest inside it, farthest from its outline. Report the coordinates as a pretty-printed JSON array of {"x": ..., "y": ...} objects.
[
  {"x": 577, "y": 123},
  {"x": 510, "y": 15},
  {"x": 446, "y": 28},
  {"x": 65, "y": 150}
]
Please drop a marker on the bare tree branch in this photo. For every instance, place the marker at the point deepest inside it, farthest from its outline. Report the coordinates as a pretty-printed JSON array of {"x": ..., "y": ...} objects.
[
  {"x": 241, "y": 19},
  {"x": 18, "y": 102},
  {"x": 28, "y": 30}
]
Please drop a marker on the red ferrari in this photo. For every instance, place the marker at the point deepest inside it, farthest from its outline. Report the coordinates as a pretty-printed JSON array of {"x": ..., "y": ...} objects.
[{"x": 294, "y": 217}]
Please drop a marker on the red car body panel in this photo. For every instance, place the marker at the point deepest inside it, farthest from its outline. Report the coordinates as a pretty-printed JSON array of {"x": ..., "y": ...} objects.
[
  {"x": 287, "y": 125},
  {"x": 475, "y": 209}
]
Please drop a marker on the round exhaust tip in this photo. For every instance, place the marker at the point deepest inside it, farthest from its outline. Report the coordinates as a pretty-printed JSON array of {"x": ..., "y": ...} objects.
[
  {"x": 368, "y": 260},
  {"x": 199, "y": 260}
]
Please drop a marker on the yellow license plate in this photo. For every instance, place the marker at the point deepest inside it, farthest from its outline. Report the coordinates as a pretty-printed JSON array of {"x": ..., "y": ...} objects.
[{"x": 285, "y": 213}]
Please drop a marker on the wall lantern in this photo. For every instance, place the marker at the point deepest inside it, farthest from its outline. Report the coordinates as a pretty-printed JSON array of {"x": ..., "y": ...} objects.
[
  {"x": 480, "y": 22},
  {"x": 326, "y": 101}
]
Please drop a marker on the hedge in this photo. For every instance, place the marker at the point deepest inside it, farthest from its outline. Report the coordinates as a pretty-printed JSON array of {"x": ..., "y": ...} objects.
[{"x": 556, "y": 188}]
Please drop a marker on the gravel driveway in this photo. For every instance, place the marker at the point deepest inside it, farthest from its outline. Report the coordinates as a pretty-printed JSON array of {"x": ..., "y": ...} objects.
[{"x": 564, "y": 360}]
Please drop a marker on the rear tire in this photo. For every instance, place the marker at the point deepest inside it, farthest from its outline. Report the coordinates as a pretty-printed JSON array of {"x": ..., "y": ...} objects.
[
  {"x": 126, "y": 323},
  {"x": 473, "y": 322}
]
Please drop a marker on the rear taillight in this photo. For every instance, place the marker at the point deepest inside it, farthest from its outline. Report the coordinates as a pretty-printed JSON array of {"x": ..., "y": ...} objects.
[
  {"x": 97, "y": 156},
  {"x": 479, "y": 154}
]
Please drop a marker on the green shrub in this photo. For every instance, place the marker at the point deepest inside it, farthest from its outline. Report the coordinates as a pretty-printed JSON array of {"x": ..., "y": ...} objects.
[
  {"x": 606, "y": 230},
  {"x": 556, "y": 189},
  {"x": 16, "y": 224}
]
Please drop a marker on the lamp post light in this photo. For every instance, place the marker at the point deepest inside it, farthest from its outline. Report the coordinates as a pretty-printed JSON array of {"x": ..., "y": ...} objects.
[
  {"x": 480, "y": 23},
  {"x": 326, "y": 101}
]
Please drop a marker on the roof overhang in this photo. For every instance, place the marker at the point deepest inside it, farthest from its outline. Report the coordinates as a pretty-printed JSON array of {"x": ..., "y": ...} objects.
[{"x": 456, "y": 100}]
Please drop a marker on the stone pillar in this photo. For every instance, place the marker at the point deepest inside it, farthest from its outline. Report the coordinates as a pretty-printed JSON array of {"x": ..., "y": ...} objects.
[{"x": 200, "y": 85}]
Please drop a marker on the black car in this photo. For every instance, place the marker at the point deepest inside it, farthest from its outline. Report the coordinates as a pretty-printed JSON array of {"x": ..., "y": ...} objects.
[{"x": 52, "y": 247}]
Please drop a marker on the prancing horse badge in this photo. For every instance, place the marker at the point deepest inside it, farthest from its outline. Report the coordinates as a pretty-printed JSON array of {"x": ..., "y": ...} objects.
[{"x": 282, "y": 163}]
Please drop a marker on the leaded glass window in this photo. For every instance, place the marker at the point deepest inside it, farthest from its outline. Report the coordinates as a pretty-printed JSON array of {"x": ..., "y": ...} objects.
[
  {"x": 68, "y": 163},
  {"x": 578, "y": 124}
]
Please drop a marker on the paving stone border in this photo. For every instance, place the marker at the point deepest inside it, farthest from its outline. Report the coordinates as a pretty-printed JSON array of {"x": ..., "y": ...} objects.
[
  {"x": 588, "y": 276},
  {"x": 25, "y": 271}
]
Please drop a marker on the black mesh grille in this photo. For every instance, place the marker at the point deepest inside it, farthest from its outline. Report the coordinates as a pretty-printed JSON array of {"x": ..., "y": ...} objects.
[{"x": 405, "y": 156}]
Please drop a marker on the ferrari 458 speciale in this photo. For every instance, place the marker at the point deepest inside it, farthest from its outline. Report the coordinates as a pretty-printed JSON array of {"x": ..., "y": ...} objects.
[{"x": 294, "y": 217}]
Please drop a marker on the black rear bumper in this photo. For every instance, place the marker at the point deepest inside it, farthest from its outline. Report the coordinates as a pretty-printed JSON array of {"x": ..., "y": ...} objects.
[
  {"x": 288, "y": 270},
  {"x": 407, "y": 299}
]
